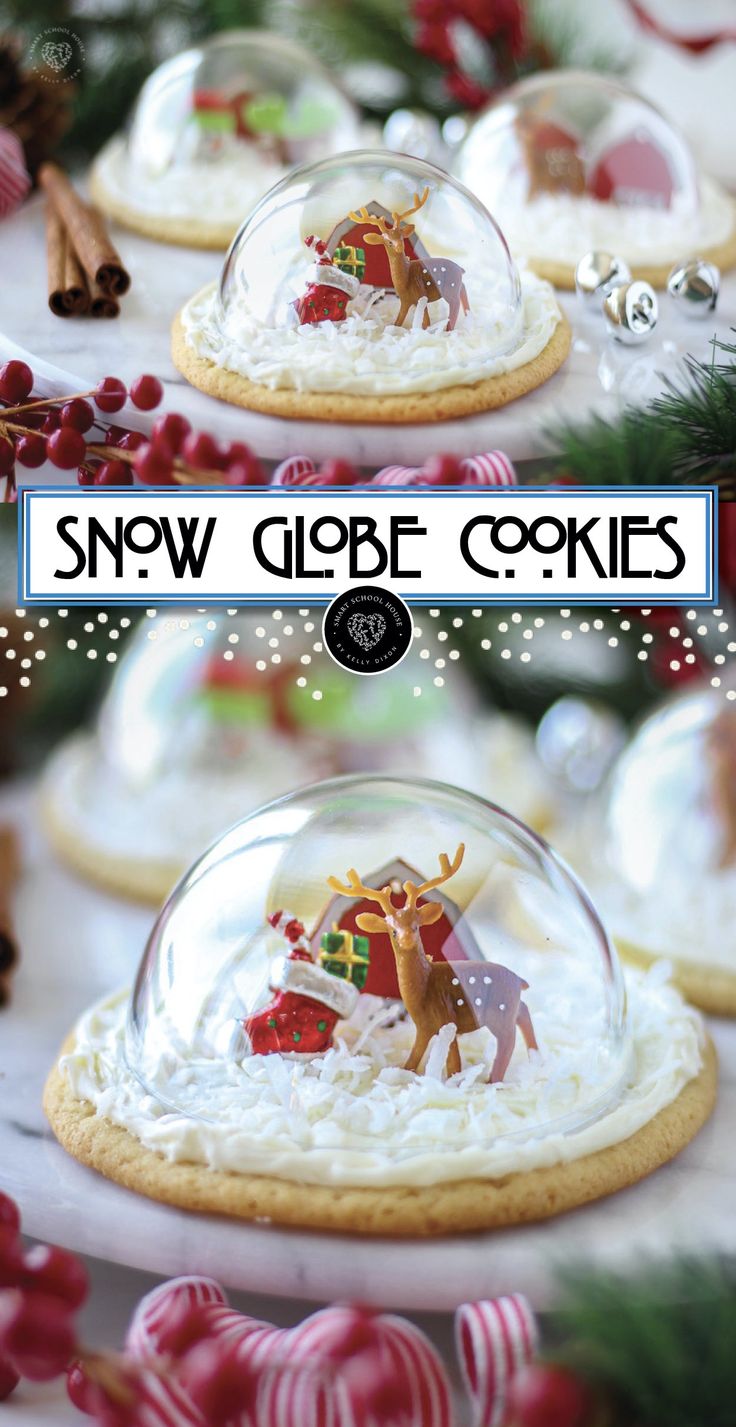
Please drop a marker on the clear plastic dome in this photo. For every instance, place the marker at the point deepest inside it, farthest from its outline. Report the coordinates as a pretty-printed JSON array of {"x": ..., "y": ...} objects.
[
  {"x": 241, "y": 92},
  {"x": 209, "y": 1034},
  {"x": 213, "y": 129},
  {"x": 255, "y": 698},
  {"x": 668, "y": 881},
  {"x": 336, "y": 240},
  {"x": 575, "y": 161}
]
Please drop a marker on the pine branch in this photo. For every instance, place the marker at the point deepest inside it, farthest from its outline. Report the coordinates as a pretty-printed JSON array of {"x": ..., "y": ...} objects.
[
  {"x": 662, "y": 1344},
  {"x": 686, "y": 435}
]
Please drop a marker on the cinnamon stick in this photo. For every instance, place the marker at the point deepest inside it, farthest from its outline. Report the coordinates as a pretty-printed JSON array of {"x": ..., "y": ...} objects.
[
  {"x": 102, "y": 304},
  {"x": 9, "y": 874},
  {"x": 87, "y": 232},
  {"x": 68, "y": 291}
]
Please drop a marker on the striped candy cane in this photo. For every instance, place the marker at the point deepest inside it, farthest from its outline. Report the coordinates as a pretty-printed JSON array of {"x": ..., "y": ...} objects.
[
  {"x": 301, "y": 1384},
  {"x": 15, "y": 180},
  {"x": 396, "y": 476},
  {"x": 493, "y": 1340},
  {"x": 492, "y": 468},
  {"x": 294, "y": 471}
]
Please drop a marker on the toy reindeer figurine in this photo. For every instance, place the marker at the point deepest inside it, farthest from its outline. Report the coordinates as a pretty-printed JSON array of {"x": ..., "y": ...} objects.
[
  {"x": 412, "y": 278},
  {"x": 467, "y": 994}
]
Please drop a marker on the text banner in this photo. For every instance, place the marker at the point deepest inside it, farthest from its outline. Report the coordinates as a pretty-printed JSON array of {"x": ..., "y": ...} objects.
[{"x": 447, "y": 546}]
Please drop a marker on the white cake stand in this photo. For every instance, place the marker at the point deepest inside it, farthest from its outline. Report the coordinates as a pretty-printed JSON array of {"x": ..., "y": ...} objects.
[
  {"x": 74, "y": 353},
  {"x": 77, "y": 944}
]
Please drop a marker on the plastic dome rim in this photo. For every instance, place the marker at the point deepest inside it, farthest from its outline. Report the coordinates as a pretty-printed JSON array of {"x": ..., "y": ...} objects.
[{"x": 568, "y": 876}]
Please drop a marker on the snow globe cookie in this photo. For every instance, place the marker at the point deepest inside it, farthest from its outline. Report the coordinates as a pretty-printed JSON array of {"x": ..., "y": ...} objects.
[
  {"x": 213, "y": 129},
  {"x": 578, "y": 162},
  {"x": 370, "y": 287},
  {"x": 382, "y": 1006},
  {"x": 666, "y": 830},
  {"x": 206, "y": 719}
]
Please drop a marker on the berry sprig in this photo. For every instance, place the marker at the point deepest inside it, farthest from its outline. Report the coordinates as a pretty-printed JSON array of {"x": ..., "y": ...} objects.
[
  {"x": 70, "y": 432},
  {"x": 41, "y": 1291}
]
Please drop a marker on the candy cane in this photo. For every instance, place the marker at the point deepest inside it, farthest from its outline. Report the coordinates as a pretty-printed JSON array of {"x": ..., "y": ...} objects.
[
  {"x": 493, "y": 1340},
  {"x": 294, "y": 471},
  {"x": 153, "y": 1313},
  {"x": 492, "y": 468},
  {"x": 15, "y": 181},
  {"x": 301, "y": 1384},
  {"x": 397, "y": 476}
]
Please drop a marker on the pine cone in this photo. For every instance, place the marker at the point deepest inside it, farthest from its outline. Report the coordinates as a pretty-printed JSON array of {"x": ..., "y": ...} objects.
[{"x": 37, "y": 110}]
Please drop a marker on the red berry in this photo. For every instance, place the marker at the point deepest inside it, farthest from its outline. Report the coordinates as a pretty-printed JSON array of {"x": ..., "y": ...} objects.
[
  {"x": 9, "y": 1379},
  {"x": 249, "y": 472},
  {"x": 110, "y": 394},
  {"x": 11, "y": 1257},
  {"x": 16, "y": 382},
  {"x": 36, "y": 1335},
  {"x": 235, "y": 452},
  {"x": 66, "y": 448},
  {"x": 9, "y": 1211},
  {"x": 170, "y": 430},
  {"x": 146, "y": 392},
  {"x": 132, "y": 441},
  {"x": 441, "y": 471},
  {"x": 31, "y": 450},
  {"x": 55, "y": 1272},
  {"x": 542, "y": 1395},
  {"x": 79, "y": 1388},
  {"x": 114, "y": 434},
  {"x": 200, "y": 450},
  {"x": 85, "y": 476},
  {"x": 152, "y": 467},
  {"x": 51, "y": 422},
  {"x": 34, "y": 419},
  {"x": 221, "y": 1386},
  {"x": 113, "y": 473},
  {"x": 339, "y": 473},
  {"x": 111, "y": 1396},
  {"x": 77, "y": 413},
  {"x": 7, "y": 459}
]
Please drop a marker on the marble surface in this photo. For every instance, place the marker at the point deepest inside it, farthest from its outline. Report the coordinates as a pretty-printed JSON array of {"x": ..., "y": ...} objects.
[
  {"x": 599, "y": 376},
  {"x": 78, "y": 943}
]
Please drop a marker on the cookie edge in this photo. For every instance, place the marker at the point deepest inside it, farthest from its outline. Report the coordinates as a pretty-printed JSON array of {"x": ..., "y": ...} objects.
[
  {"x": 413, "y": 1212},
  {"x": 410, "y": 408}
]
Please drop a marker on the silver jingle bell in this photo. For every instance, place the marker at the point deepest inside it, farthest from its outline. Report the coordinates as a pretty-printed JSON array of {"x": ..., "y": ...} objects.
[
  {"x": 631, "y": 312},
  {"x": 695, "y": 285},
  {"x": 597, "y": 273}
]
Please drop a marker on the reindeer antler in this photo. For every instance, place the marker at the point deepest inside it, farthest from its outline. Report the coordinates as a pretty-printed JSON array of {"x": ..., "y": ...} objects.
[
  {"x": 375, "y": 219},
  {"x": 447, "y": 870},
  {"x": 418, "y": 203},
  {"x": 354, "y": 887}
]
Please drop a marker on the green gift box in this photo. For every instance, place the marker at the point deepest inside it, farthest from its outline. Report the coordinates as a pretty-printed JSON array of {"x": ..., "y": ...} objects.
[
  {"x": 350, "y": 260},
  {"x": 347, "y": 955}
]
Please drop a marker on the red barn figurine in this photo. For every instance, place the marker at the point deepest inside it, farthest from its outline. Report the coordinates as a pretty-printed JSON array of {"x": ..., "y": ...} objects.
[{"x": 448, "y": 939}]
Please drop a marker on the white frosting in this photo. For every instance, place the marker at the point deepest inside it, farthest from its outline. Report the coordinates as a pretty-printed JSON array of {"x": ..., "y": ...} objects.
[
  {"x": 366, "y": 355},
  {"x": 173, "y": 818},
  {"x": 354, "y": 1117},
  {"x": 217, "y": 190},
  {"x": 688, "y": 918},
  {"x": 560, "y": 228}
]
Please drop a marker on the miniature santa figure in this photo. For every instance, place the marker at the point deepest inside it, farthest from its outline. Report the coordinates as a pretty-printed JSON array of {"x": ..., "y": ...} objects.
[
  {"x": 329, "y": 288},
  {"x": 308, "y": 1000}
]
